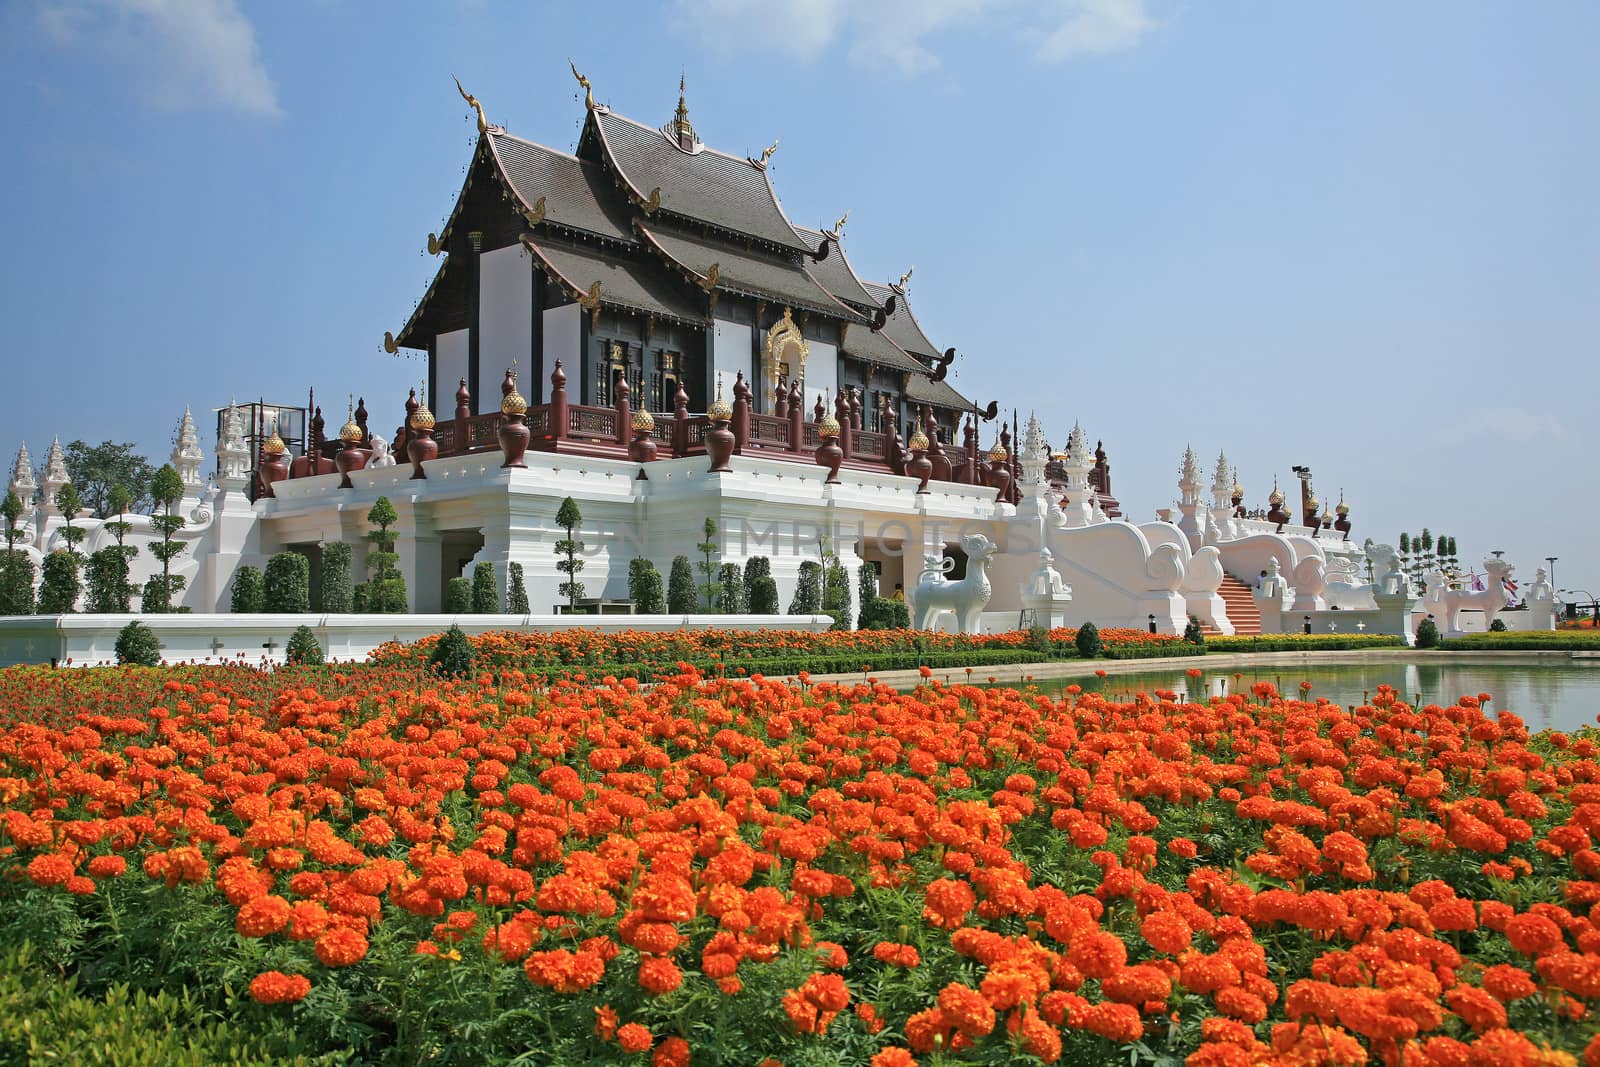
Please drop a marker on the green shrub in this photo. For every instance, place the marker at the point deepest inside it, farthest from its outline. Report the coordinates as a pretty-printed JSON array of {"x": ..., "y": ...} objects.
[
  {"x": 286, "y": 587},
  {"x": 247, "y": 591},
  {"x": 644, "y": 587},
  {"x": 166, "y": 489},
  {"x": 137, "y": 646},
  {"x": 807, "y": 598},
  {"x": 458, "y": 596},
  {"x": 58, "y": 593},
  {"x": 1088, "y": 640},
  {"x": 358, "y": 599},
  {"x": 763, "y": 595},
  {"x": 338, "y": 593},
  {"x": 1193, "y": 633},
  {"x": 107, "y": 579},
  {"x": 485, "y": 590},
  {"x": 16, "y": 582},
  {"x": 387, "y": 596},
  {"x": 517, "y": 591},
  {"x": 569, "y": 517},
  {"x": 44, "y": 1018},
  {"x": 758, "y": 572},
  {"x": 1299, "y": 642},
  {"x": 1525, "y": 640},
  {"x": 885, "y": 614},
  {"x": 156, "y": 596},
  {"x": 453, "y": 655},
  {"x": 681, "y": 593},
  {"x": 730, "y": 590},
  {"x": 1498, "y": 626},
  {"x": 303, "y": 647},
  {"x": 386, "y": 588},
  {"x": 1428, "y": 634}
]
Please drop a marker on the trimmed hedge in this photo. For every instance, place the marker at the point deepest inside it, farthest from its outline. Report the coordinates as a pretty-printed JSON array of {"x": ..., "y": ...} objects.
[
  {"x": 1529, "y": 640},
  {"x": 286, "y": 589},
  {"x": 247, "y": 591},
  {"x": 138, "y": 646},
  {"x": 485, "y": 590},
  {"x": 338, "y": 590},
  {"x": 458, "y": 596},
  {"x": 1301, "y": 642}
]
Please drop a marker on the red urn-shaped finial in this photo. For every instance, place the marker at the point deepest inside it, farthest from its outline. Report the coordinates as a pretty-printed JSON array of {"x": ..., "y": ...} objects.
[
  {"x": 780, "y": 399},
  {"x": 920, "y": 467},
  {"x": 463, "y": 413},
  {"x": 513, "y": 430},
  {"x": 828, "y": 453},
  {"x": 741, "y": 414},
  {"x": 719, "y": 439}
]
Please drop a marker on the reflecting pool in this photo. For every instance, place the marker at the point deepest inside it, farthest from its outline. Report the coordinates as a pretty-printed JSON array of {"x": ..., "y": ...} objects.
[{"x": 1561, "y": 696}]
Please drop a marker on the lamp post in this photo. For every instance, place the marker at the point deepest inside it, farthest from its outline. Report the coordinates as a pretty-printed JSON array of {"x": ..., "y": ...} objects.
[
  {"x": 1152, "y": 624},
  {"x": 1308, "y": 624},
  {"x": 1552, "y": 561}
]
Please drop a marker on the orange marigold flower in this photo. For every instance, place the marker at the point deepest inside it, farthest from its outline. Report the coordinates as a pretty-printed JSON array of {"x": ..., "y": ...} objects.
[
  {"x": 275, "y": 987},
  {"x": 659, "y": 975},
  {"x": 51, "y": 868},
  {"x": 340, "y": 947},
  {"x": 673, "y": 1052},
  {"x": 1533, "y": 935},
  {"x": 262, "y": 916},
  {"x": 634, "y": 1038},
  {"x": 966, "y": 1009}
]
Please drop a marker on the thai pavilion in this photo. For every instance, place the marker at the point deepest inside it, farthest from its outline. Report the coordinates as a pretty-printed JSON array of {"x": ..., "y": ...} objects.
[{"x": 639, "y": 326}]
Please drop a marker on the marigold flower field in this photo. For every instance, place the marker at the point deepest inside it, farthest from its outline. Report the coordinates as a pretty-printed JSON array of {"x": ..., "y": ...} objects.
[{"x": 383, "y": 865}]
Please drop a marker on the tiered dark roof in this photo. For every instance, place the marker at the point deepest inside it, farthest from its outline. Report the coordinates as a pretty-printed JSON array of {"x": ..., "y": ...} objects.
[{"x": 663, "y": 224}]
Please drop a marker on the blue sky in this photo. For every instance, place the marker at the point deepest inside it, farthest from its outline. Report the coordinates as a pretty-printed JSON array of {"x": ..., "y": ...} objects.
[{"x": 1362, "y": 237}]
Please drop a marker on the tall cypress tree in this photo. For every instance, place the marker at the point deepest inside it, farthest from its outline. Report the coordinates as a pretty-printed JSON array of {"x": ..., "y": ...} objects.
[{"x": 167, "y": 489}]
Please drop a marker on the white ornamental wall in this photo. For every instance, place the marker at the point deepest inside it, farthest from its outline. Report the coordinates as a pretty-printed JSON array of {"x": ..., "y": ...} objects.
[
  {"x": 730, "y": 354},
  {"x": 563, "y": 327},
  {"x": 505, "y": 320},
  {"x": 450, "y": 363}
]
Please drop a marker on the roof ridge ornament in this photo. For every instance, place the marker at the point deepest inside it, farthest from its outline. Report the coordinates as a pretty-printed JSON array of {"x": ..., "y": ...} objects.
[
  {"x": 535, "y": 214},
  {"x": 483, "y": 120},
  {"x": 388, "y": 343},
  {"x": 652, "y": 203},
  {"x": 838, "y": 227},
  {"x": 435, "y": 246},
  {"x": 766, "y": 155},
  {"x": 588, "y": 91},
  {"x": 904, "y": 278}
]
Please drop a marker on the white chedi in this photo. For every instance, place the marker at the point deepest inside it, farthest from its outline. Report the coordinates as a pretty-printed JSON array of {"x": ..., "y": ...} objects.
[
  {"x": 233, "y": 455},
  {"x": 22, "y": 480},
  {"x": 1035, "y": 453},
  {"x": 186, "y": 454},
  {"x": 1189, "y": 478},
  {"x": 55, "y": 476}
]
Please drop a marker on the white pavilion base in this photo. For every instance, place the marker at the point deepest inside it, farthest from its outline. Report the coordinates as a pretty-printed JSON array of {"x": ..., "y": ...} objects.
[{"x": 90, "y": 640}]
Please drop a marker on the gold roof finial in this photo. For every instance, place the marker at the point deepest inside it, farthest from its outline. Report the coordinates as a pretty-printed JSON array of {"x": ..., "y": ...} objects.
[
  {"x": 483, "y": 121},
  {"x": 906, "y": 277},
  {"x": 838, "y": 227},
  {"x": 588, "y": 92},
  {"x": 682, "y": 128},
  {"x": 766, "y": 153}
]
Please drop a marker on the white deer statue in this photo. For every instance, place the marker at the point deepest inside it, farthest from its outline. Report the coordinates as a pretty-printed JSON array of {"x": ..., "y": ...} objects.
[
  {"x": 1490, "y": 600},
  {"x": 967, "y": 597}
]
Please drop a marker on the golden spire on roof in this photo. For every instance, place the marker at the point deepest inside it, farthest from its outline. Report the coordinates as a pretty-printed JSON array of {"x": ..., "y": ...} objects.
[
  {"x": 588, "y": 92},
  {"x": 838, "y": 227},
  {"x": 682, "y": 128},
  {"x": 766, "y": 153},
  {"x": 906, "y": 277},
  {"x": 483, "y": 121}
]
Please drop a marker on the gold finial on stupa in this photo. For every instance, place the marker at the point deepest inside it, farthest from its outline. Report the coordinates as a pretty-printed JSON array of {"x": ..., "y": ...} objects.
[
  {"x": 422, "y": 418},
  {"x": 720, "y": 410},
  {"x": 350, "y": 432}
]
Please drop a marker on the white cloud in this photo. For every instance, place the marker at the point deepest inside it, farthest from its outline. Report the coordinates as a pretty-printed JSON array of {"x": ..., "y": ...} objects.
[
  {"x": 184, "y": 55},
  {"x": 1090, "y": 27},
  {"x": 895, "y": 33}
]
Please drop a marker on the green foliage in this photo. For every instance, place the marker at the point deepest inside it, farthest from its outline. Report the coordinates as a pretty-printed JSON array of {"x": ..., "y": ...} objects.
[
  {"x": 762, "y": 595},
  {"x": 386, "y": 588},
  {"x": 644, "y": 587},
  {"x": 11, "y": 510},
  {"x": 303, "y": 647},
  {"x": 568, "y": 517},
  {"x": 680, "y": 587},
  {"x": 458, "y": 596},
  {"x": 1561, "y": 640},
  {"x": 156, "y": 596},
  {"x": 1428, "y": 633},
  {"x": 730, "y": 590},
  {"x": 137, "y": 645},
  {"x": 16, "y": 582},
  {"x": 1088, "y": 640},
  {"x": 166, "y": 489},
  {"x": 58, "y": 592},
  {"x": 517, "y": 590},
  {"x": 756, "y": 567},
  {"x": 98, "y": 469},
  {"x": 70, "y": 505},
  {"x": 1299, "y": 642},
  {"x": 1498, "y": 626},
  {"x": 286, "y": 588},
  {"x": 485, "y": 590},
  {"x": 708, "y": 569},
  {"x": 453, "y": 655},
  {"x": 338, "y": 592},
  {"x": 807, "y": 598},
  {"x": 866, "y": 592},
  {"x": 118, "y": 504},
  {"x": 879, "y": 612},
  {"x": 248, "y": 595},
  {"x": 835, "y": 590},
  {"x": 358, "y": 601},
  {"x": 107, "y": 579},
  {"x": 1193, "y": 633},
  {"x": 45, "y": 1019}
]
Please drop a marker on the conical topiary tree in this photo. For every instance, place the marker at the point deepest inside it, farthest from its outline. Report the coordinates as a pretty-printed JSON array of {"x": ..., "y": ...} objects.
[
  {"x": 730, "y": 589},
  {"x": 807, "y": 597},
  {"x": 303, "y": 647},
  {"x": 386, "y": 588},
  {"x": 681, "y": 596},
  {"x": 138, "y": 646},
  {"x": 516, "y": 590},
  {"x": 59, "y": 586},
  {"x": 485, "y": 590},
  {"x": 167, "y": 489},
  {"x": 286, "y": 588},
  {"x": 458, "y": 596},
  {"x": 708, "y": 569},
  {"x": 338, "y": 593},
  {"x": 1088, "y": 640},
  {"x": 568, "y": 517},
  {"x": 247, "y": 591},
  {"x": 644, "y": 587},
  {"x": 453, "y": 655}
]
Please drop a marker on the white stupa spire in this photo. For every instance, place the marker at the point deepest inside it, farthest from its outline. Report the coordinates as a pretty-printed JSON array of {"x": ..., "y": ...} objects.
[
  {"x": 1189, "y": 478},
  {"x": 233, "y": 455},
  {"x": 22, "y": 481},
  {"x": 55, "y": 475},
  {"x": 186, "y": 454},
  {"x": 1222, "y": 477}
]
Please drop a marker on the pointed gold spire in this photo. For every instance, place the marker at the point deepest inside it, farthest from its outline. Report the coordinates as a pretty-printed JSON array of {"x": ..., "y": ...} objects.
[
  {"x": 766, "y": 153},
  {"x": 838, "y": 227},
  {"x": 588, "y": 92},
  {"x": 682, "y": 128},
  {"x": 483, "y": 121}
]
